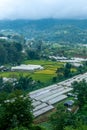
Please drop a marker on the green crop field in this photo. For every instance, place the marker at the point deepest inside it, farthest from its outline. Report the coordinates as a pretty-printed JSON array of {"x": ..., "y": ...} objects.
[
  {"x": 42, "y": 62},
  {"x": 44, "y": 75}
]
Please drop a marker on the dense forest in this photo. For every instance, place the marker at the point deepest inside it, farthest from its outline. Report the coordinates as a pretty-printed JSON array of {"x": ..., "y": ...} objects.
[
  {"x": 62, "y": 31},
  {"x": 10, "y": 52}
]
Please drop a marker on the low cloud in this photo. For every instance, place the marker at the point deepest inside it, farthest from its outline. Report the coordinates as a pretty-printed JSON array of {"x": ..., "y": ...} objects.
[{"x": 37, "y": 9}]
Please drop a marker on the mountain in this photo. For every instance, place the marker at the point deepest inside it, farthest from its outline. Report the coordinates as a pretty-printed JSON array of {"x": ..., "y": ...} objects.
[{"x": 53, "y": 30}]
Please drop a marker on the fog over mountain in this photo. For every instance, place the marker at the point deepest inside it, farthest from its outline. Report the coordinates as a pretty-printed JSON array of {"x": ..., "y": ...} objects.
[{"x": 38, "y": 9}]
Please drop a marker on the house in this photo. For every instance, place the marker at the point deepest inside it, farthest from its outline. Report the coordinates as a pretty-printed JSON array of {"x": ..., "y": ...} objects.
[{"x": 69, "y": 103}]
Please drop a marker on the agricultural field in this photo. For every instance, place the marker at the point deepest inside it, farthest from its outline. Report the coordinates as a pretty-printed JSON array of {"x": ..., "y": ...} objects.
[{"x": 44, "y": 75}]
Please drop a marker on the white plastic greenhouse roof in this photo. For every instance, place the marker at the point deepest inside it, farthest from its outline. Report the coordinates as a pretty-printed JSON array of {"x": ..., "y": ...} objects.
[
  {"x": 45, "y": 98},
  {"x": 27, "y": 67}
]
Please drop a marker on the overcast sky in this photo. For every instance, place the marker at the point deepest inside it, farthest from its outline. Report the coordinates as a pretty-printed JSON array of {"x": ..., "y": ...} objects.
[{"x": 37, "y": 9}]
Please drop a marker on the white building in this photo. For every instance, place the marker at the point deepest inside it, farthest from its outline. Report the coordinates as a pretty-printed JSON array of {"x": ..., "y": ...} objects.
[{"x": 27, "y": 68}]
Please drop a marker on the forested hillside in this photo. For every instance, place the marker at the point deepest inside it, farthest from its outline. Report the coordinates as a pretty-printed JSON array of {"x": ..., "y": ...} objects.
[{"x": 62, "y": 31}]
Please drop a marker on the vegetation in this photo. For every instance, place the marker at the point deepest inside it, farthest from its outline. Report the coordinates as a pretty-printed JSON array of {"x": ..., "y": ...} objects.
[
  {"x": 24, "y": 83},
  {"x": 10, "y": 52},
  {"x": 53, "y": 30},
  {"x": 17, "y": 104},
  {"x": 53, "y": 72},
  {"x": 80, "y": 127},
  {"x": 58, "y": 119},
  {"x": 44, "y": 39},
  {"x": 81, "y": 90},
  {"x": 65, "y": 71},
  {"x": 44, "y": 76},
  {"x": 62, "y": 119},
  {"x": 15, "y": 111}
]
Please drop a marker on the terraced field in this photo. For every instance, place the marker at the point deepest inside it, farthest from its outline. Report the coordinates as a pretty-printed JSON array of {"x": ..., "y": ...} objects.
[{"x": 45, "y": 75}]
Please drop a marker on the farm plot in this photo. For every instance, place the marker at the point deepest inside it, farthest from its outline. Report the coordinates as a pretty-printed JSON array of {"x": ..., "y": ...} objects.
[
  {"x": 44, "y": 75},
  {"x": 45, "y": 98}
]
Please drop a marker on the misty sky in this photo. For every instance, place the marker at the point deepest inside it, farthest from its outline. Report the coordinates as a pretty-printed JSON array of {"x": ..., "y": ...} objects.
[{"x": 37, "y": 9}]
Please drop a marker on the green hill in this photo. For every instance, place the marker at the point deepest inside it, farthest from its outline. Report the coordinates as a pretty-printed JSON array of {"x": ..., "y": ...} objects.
[{"x": 53, "y": 30}]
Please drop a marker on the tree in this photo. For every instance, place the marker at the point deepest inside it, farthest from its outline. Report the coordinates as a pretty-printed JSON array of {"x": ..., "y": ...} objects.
[
  {"x": 7, "y": 87},
  {"x": 60, "y": 71},
  {"x": 54, "y": 79},
  {"x": 10, "y": 52},
  {"x": 3, "y": 54},
  {"x": 80, "y": 127},
  {"x": 81, "y": 90},
  {"x": 58, "y": 119},
  {"x": 18, "y": 46},
  {"x": 62, "y": 118},
  {"x": 1, "y": 83},
  {"x": 33, "y": 128},
  {"x": 80, "y": 69},
  {"x": 33, "y": 54},
  {"x": 24, "y": 83},
  {"x": 67, "y": 71},
  {"x": 15, "y": 111},
  {"x": 64, "y": 71},
  {"x": 20, "y": 128}
]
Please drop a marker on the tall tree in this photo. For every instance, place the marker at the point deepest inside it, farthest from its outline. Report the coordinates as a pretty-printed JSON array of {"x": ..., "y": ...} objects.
[
  {"x": 15, "y": 111},
  {"x": 67, "y": 70},
  {"x": 24, "y": 83},
  {"x": 81, "y": 90},
  {"x": 80, "y": 127},
  {"x": 58, "y": 119}
]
